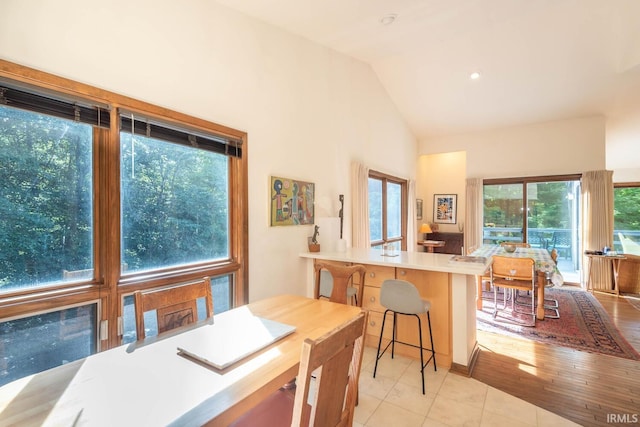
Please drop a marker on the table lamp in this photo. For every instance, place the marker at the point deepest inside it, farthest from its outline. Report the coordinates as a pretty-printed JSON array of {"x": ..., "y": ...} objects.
[{"x": 425, "y": 229}]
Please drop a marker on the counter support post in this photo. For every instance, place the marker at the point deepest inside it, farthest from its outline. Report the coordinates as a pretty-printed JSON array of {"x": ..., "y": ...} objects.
[{"x": 463, "y": 318}]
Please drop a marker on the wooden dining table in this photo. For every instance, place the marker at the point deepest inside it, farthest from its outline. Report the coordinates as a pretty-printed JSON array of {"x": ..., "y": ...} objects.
[
  {"x": 544, "y": 266},
  {"x": 149, "y": 384}
]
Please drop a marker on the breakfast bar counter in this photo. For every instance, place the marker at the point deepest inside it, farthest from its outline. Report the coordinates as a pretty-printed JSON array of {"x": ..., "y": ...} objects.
[{"x": 449, "y": 285}]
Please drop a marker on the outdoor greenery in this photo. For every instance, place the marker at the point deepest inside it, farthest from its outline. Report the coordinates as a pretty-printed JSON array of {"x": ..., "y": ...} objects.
[
  {"x": 375, "y": 209},
  {"x": 175, "y": 201},
  {"x": 626, "y": 208},
  {"x": 174, "y": 211},
  {"x": 381, "y": 203},
  {"x": 548, "y": 205},
  {"x": 45, "y": 197},
  {"x": 175, "y": 204}
]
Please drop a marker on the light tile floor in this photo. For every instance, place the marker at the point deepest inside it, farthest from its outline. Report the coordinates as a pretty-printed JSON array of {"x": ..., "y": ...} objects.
[{"x": 394, "y": 398}]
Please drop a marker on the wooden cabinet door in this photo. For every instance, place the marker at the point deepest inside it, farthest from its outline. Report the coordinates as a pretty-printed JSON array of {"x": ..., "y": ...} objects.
[
  {"x": 435, "y": 287},
  {"x": 377, "y": 274}
]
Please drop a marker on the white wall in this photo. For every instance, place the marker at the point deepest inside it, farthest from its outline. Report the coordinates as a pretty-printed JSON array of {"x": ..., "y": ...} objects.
[
  {"x": 443, "y": 173},
  {"x": 623, "y": 146},
  {"x": 561, "y": 147},
  {"x": 308, "y": 111},
  {"x": 553, "y": 148}
]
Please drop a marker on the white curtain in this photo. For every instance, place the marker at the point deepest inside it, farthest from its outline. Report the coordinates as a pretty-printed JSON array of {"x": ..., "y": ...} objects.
[
  {"x": 360, "y": 206},
  {"x": 412, "y": 239},
  {"x": 473, "y": 214},
  {"x": 597, "y": 229}
]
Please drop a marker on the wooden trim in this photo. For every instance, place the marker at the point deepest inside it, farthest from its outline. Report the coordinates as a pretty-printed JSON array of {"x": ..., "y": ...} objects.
[
  {"x": 55, "y": 83},
  {"x": 626, "y": 184},
  {"x": 404, "y": 197},
  {"x": 108, "y": 285},
  {"x": 144, "y": 281},
  {"x": 47, "y": 300},
  {"x": 530, "y": 179},
  {"x": 240, "y": 221},
  {"x": 457, "y": 368}
]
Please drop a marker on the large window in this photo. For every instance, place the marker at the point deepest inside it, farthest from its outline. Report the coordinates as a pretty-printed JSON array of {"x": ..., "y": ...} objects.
[
  {"x": 45, "y": 198},
  {"x": 626, "y": 218},
  {"x": 542, "y": 211},
  {"x": 387, "y": 211},
  {"x": 174, "y": 202},
  {"x": 100, "y": 196},
  {"x": 46, "y": 340}
]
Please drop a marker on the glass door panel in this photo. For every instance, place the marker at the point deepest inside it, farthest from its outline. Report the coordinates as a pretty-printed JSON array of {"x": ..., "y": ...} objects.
[
  {"x": 503, "y": 219},
  {"x": 552, "y": 219},
  {"x": 394, "y": 211},
  {"x": 375, "y": 211},
  {"x": 552, "y": 222}
]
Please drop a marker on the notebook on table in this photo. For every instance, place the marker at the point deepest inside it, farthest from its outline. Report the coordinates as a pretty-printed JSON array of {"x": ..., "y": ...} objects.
[{"x": 233, "y": 336}]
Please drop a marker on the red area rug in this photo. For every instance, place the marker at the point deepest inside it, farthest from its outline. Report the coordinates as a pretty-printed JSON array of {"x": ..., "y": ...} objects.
[{"x": 583, "y": 325}]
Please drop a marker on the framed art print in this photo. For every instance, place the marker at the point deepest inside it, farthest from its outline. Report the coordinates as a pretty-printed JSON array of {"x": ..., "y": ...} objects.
[
  {"x": 444, "y": 208},
  {"x": 291, "y": 201}
]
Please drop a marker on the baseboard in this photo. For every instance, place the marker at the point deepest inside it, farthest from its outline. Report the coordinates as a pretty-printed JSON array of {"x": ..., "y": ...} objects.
[{"x": 466, "y": 371}]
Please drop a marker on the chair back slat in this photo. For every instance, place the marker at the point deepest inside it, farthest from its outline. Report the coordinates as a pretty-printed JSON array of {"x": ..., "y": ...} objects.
[
  {"x": 513, "y": 267},
  {"x": 343, "y": 277},
  {"x": 334, "y": 360},
  {"x": 175, "y": 305}
]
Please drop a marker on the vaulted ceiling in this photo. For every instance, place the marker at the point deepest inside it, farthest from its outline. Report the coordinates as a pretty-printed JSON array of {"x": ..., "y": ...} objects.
[{"x": 539, "y": 60}]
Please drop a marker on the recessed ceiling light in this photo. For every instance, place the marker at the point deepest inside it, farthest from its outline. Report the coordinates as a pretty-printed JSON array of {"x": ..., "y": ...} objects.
[
  {"x": 474, "y": 76},
  {"x": 388, "y": 19}
]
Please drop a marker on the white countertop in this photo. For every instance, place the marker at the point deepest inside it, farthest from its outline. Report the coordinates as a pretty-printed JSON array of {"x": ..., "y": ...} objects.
[{"x": 413, "y": 260}]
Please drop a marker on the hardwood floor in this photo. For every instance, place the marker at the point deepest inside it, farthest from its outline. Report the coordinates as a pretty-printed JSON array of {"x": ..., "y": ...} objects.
[{"x": 589, "y": 389}]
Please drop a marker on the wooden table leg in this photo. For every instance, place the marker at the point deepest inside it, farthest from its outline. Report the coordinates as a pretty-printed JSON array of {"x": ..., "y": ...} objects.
[
  {"x": 541, "y": 282},
  {"x": 540, "y": 308},
  {"x": 479, "y": 293},
  {"x": 616, "y": 267}
]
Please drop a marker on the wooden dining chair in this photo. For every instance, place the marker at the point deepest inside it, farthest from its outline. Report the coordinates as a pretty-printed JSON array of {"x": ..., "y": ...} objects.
[
  {"x": 516, "y": 274},
  {"x": 326, "y": 386},
  {"x": 551, "y": 305},
  {"x": 340, "y": 286},
  {"x": 175, "y": 305}
]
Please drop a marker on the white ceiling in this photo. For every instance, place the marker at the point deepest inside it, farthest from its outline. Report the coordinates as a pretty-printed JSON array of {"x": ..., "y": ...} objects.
[{"x": 540, "y": 60}]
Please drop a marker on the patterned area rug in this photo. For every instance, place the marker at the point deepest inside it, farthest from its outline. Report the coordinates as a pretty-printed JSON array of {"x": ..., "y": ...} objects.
[{"x": 583, "y": 325}]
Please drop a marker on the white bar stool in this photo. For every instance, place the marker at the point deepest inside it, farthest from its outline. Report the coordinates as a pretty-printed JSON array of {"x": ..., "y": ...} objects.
[{"x": 402, "y": 297}]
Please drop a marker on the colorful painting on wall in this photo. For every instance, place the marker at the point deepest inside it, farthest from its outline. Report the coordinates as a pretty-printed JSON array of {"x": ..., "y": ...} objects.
[
  {"x": 444, "y": 208},
  {"x": 291, "y": 201}
]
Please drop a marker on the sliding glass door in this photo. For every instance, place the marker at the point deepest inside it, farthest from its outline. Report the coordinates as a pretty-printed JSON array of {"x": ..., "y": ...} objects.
[
  {"x": 542, "y": 211},
  {"x": 503, "y": 219}
]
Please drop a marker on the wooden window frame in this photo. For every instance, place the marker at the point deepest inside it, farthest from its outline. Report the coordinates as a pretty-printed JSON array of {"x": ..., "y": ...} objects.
[
  {"x": 527, "y": 180},
  {"x": 403, "y": 183},
  {"x": 108, "y": 284}
]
